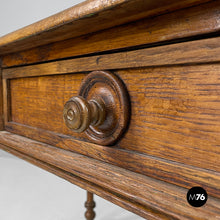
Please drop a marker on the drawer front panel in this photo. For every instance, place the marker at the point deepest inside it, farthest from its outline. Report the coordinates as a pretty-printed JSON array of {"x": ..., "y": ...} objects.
[
  {"x": 174, "y": 130},
  {"x": 129, "y": 111},
  {"x": 175, "y": 113},
  {"x": 175, "y": 110},
  {"x": 39, "y": 101}
]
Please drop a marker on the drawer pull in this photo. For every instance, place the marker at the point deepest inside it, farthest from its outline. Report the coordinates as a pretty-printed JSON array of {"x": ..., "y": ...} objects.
[
  {"x": 79, "y": 114},
  {"x": 101, "y": 109}
]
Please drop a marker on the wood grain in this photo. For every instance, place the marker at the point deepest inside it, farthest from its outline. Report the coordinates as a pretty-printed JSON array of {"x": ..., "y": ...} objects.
[
  {"x": 158, "y": 168},
  {"x": 108, "y": 87},
  {"x": 193, "y": 52},
  {"x": 1, "y": 102},
  {"x": 136, "y": 188},
  {"x": 49, "y": 96},
  {"x": 175, "y": 113},
  {"x": 100, "y": 191},
  {"x": 86, "y": 18},
  {"x": 168, "y": 55},
  {"x": 6, "y": 101},
  {"x": 180, "y": 24},
  {"x": 167, "y": 105}
]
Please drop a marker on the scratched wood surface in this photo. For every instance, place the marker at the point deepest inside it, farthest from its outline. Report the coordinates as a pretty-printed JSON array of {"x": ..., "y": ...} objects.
[
  {"x": 87, "y": 17},
  {"x": 177, "y": 25},
  {"x": 156, "y": 197}
]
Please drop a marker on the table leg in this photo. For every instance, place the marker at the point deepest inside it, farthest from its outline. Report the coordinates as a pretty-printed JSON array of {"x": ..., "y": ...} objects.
[{"x": 90, "y": 205}]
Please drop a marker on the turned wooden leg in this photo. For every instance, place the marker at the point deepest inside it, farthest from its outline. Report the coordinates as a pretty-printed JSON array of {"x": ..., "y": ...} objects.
[{"x": 90, "y": 205}]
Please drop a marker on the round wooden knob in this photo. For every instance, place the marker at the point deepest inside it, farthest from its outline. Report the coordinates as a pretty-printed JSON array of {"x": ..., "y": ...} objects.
[
  {"x": 101, "y": 110},
  {"x": 79, "y": 114}
]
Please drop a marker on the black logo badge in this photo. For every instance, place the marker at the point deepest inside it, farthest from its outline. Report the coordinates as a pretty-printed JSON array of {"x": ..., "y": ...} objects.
[{"x": 197, "y": 196}]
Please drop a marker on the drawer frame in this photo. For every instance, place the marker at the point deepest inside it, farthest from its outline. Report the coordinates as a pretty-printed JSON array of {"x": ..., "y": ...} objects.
[{"x": 188, "y": 53}]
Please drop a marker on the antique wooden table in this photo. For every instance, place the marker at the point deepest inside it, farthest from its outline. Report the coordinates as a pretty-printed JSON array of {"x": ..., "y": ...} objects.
[{"x": 121, "y": 98}]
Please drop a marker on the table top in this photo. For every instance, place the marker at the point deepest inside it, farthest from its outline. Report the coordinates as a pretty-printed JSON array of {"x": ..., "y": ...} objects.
[{"x": 87, "y": 17}]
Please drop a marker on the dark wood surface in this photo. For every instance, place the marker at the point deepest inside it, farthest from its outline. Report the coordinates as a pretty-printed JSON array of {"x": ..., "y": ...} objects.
[
  {"x": 154, "y": 199},
  {"x": 87, "y": 17},
  {"x": 161, "y": 29}
]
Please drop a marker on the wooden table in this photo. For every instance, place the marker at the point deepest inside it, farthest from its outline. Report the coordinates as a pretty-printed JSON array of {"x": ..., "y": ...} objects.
[{"x": 121, "y": 98}]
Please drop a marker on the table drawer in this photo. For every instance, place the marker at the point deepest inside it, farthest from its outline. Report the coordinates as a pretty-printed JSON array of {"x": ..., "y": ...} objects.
[
  {"x": 171, "y": 140},
  {"x": 174, "y": 129},
  {"x": 175, "y": 111},
  {"x": 141, "y": 94}
]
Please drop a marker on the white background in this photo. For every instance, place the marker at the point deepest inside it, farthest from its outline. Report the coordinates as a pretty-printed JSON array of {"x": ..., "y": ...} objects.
[
  {"x": 28, "y": 192},
  {"x": 15, "y": 14}
]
